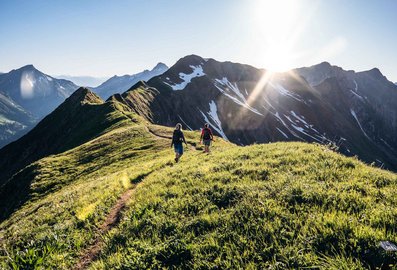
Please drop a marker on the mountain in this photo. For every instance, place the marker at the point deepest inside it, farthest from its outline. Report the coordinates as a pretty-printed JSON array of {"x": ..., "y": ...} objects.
[
  {"x": 74, "y": 122},
  {"x": 35, "y": 91},
  {"x": 105, "y": 193},
  {"x": 84, "y": 80},
  {"x": 26, "y": 96},
  {"x": 355, "y": 111},
  {"x": 119, "y": 84},
  {"x": 14, "y": 120}
]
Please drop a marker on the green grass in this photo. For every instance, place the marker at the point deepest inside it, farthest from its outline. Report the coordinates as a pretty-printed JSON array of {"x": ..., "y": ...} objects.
[{"x": 274, "y": 206}]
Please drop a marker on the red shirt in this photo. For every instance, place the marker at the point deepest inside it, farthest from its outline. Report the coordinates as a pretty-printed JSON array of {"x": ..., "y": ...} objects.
[{"x": 209, "y": 130}]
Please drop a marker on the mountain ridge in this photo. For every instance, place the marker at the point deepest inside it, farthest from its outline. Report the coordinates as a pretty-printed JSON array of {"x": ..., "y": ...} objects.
[
  {"x": 237, "y": 207},
  {"x": 119, "y": 84},
  {"x": 32, "y": 93},
  {"x": 197, "y": 90},
  {"x": 69, "y": 125}
]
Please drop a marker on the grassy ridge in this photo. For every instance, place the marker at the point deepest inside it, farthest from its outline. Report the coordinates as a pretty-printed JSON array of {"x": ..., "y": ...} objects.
[
  {"x": 276, "y": 206},
  {"x": 70, "y": 194}
]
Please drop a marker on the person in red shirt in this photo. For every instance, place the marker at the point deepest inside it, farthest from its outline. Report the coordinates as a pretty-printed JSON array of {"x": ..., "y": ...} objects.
[{"x": 206, "y": 137}]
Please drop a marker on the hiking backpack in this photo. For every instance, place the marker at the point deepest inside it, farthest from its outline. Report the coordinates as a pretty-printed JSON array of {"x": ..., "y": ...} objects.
[{"x": 207, "y": 134}]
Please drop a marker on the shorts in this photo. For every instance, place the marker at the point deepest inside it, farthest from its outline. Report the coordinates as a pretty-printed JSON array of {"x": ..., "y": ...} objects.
[
  {"x": 178, "y": 147},
  {"x": 207, "y": 142}
]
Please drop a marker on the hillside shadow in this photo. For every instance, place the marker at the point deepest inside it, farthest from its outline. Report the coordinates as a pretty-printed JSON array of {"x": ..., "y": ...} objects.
[{"x": 16, "y": 192}]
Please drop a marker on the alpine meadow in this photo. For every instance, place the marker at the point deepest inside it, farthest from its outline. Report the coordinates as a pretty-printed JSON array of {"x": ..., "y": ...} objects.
[
  {"x": 228, "y": 134},
  {"x": 279, "y": 205}
]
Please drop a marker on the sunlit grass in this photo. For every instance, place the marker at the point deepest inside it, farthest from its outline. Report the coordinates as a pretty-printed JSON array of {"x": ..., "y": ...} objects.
[{"x": 274, "y": 206}]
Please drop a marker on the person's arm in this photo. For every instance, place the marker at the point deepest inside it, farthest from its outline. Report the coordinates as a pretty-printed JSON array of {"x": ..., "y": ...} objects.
[
  {"x": 183, "y": 137},
  {"x": 202, "y": 134},
  {"x": 212, "y": 135}
]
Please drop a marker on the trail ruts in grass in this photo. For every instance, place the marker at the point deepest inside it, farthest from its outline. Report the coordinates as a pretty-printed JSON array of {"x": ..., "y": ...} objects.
[{"x": 113, "y": 218}]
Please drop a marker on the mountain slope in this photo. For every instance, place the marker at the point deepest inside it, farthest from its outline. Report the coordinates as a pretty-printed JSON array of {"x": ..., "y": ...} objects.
[
  {"x": 14, "y": 120},
  {"x": 283, "y": 205},
  {"x": 26, "y": 96},
  {"x": 119, "y": 84},
  {"x": 245, "y": 105},
  {"x": 35, "y": 91},
  {"x": 79, "y": 119}
]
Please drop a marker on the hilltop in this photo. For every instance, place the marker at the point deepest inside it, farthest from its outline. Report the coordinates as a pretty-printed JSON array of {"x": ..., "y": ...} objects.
[{"x": 117, "y": 200}]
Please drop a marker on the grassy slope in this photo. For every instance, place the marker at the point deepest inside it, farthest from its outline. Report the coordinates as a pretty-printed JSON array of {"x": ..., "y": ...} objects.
[
  {"x": 275, "y": 206},
  {"x": 283, "y": 205}
]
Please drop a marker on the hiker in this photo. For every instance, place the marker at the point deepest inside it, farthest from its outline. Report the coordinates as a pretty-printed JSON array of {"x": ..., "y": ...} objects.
[
  {"x": 206, "y": 137},
  {"x": 177, "y": 139}
]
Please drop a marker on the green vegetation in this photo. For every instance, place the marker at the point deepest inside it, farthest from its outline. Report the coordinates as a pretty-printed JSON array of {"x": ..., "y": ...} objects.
[{"x": 274, "y": 206}]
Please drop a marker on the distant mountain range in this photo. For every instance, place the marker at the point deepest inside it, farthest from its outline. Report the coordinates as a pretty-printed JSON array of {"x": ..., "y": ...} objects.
[
  {"x": 354, "y": 111},
  {"x": 87, "y": 81},
  {"x": 120, "y": 84},
  {"x": 27, "y": 95}
]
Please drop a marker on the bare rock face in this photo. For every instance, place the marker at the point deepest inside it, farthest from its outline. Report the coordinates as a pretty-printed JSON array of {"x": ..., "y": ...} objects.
[{"x": 325, "y": 104}]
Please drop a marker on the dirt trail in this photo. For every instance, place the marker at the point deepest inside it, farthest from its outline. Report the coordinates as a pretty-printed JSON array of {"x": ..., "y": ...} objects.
[
  {"x": 112, "y": 219},
  {"x": 92, "y": 252},
  {"x": 193, "y": 146}
]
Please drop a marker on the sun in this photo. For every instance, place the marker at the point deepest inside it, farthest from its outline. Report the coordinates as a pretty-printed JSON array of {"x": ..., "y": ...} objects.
[{"x": 275, "y": 24}]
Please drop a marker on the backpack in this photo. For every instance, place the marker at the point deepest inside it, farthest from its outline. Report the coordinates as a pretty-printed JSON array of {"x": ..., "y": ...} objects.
[
  {"x": 207, "y": 134},
  {"x": 177, "y": 136}
]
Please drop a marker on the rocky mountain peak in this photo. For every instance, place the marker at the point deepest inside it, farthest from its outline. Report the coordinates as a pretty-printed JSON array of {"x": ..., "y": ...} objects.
[
  {"x": 84, "y": 95},
  {"x": 160, "y": 66},
  {"x": 30, "y": 66},
  {"x": 375, "y": 72},
  {"x": 189, "y": 60}
]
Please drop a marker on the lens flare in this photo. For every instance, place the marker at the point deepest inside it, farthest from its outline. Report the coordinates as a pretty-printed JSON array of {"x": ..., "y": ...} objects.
[{"x": 27, "y": 85}]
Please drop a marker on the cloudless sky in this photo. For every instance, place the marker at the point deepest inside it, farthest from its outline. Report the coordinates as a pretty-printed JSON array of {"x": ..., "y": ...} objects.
[{"x": 103, "y": 38}]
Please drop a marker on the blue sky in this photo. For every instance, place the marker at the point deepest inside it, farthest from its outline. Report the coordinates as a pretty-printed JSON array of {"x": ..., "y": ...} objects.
[{"x": 103, "y": 38}]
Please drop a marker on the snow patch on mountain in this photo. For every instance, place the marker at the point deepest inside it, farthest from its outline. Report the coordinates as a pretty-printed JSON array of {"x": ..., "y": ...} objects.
[
  {"x": 388, "y": 145},
  {"x": 279, "y": 119},
  {"x": 358, "y": 122},
  {"x": 215, "y": 123},
  {"x": 184, "y": 122},
  {"x": 227, "y": 88},
  {"x": 297, "y": 126},
  {"x": 4, "y": 120},
  {"x": 284, "y": 92},
  {"x": 355, "y": 93},
  {"x": 268, "y": 103},
  {"x": 187, "y": 78},
  {"x": 285, "y": 135}
]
